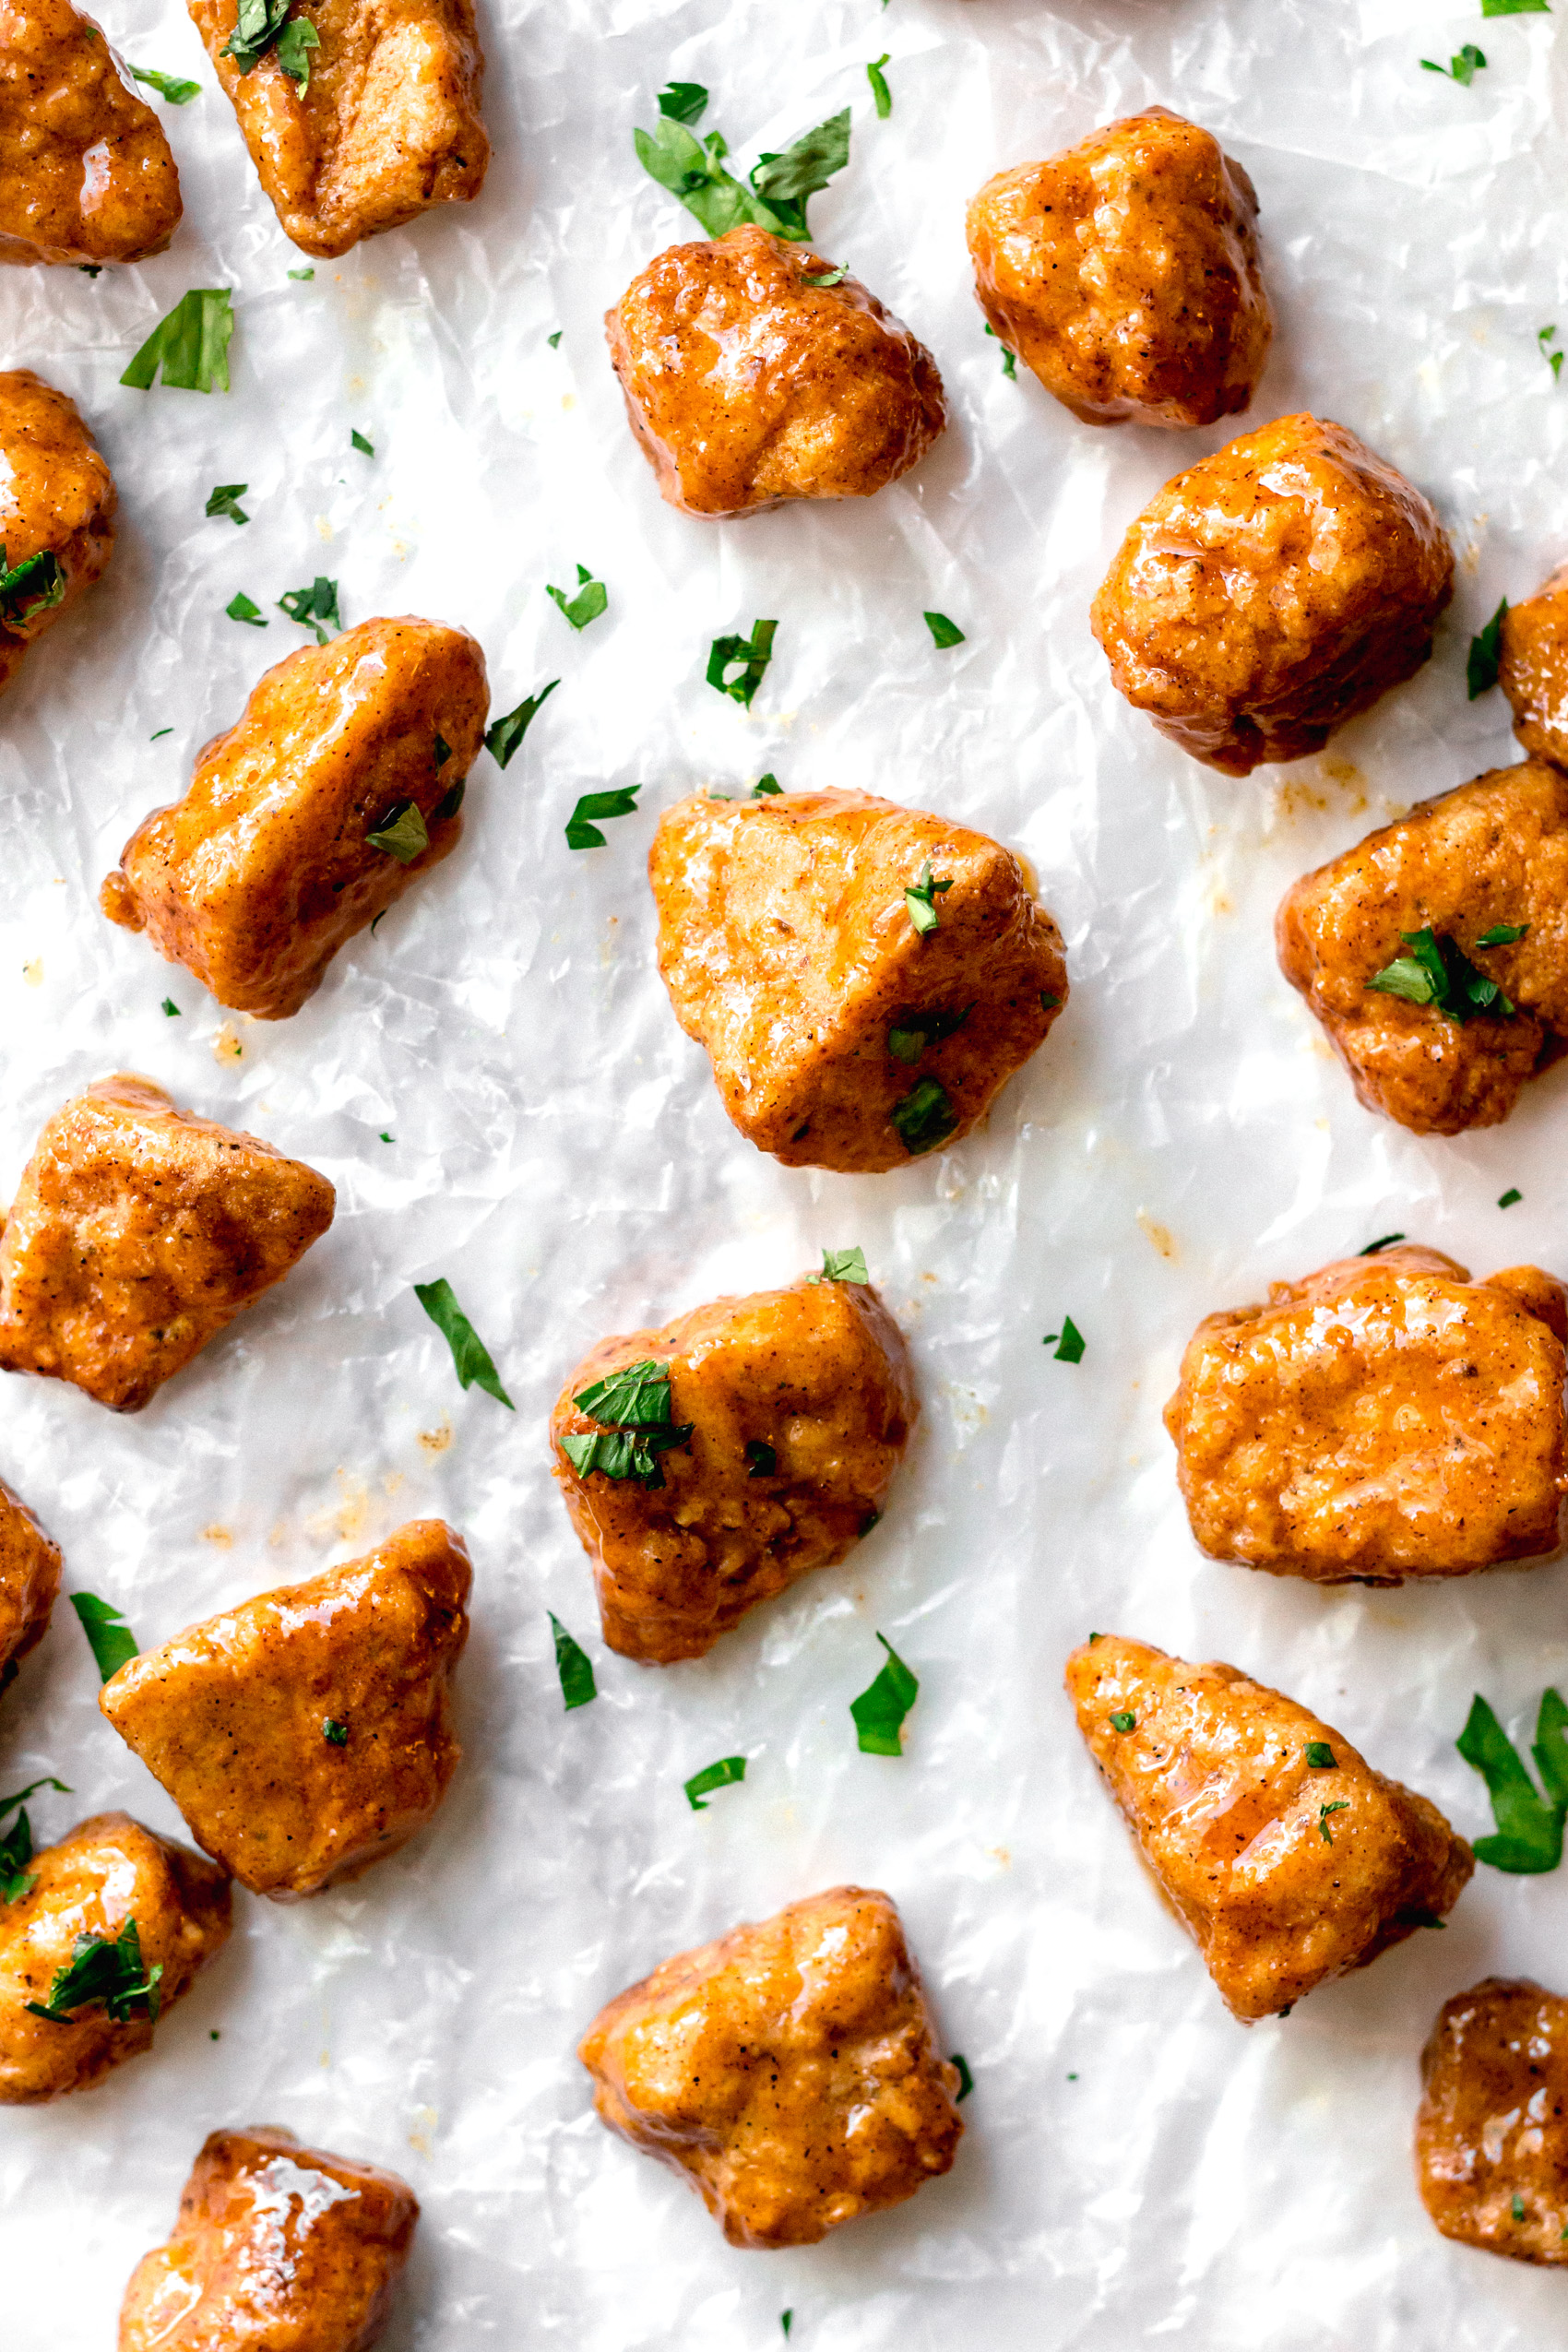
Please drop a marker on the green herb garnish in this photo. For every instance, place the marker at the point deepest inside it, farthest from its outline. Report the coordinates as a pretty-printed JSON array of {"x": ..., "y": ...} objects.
[
  {"x": 924, "y": 1117},
  {"x": 16, "y": 1846},
  {"x": 1384, "y": 1241},
  {"x": 225, "y": 500},
  {"x": 588, "y": 604},
  {"x": 1342, "y": 1805},
  {"x": 944, "y": 632},
  {"x": 635, "y": 1416},
  {"x": 582, "y": 830},
  {"x": 1462, "y": 68},
  {"x": 762, "y": 1459},
  {"x": 470, "y": 1356},
  {"x": 296, "y": 41},
  {"x": 302, "y": 273},
  {"x": 108, "y": 1637},
  {"x": 1009, "y": 359},
  {"x": 1320, "y": 1756},
  {"x": 1515, "y": 7},
  {"x": 336, "y": 1734},
  {"x": 1124, "y": 1721},
  {"x": 1530, "y": 1838},
  {"x": 35, "y": 585},
  {"x": 171, "y": 1008},
  {"x": 159, "y": 734},
  {"x": 502, "y": 736},
  {"x": 357, "y": 441},
  {"x": 1439, "y": 974},
  {"x": 682, "y": 101},
  {"x": 787, "y": 2319},
  {"x": 722, "y": 1775},
  {"x": 311, "y": 606},
  {"x": 574, "y": 1665},
  {"x": 920, "y": 899},
  {"x": 191, "y": 345},
  {"x": 265, "y": 24},
  {"x": 101, "y": 1975},
  {"x": 911, "y": 1034},
  {"x": 1069, "y": 1341},
  {"x": 1507, "y": 1199},
  {"x": 178, "y": 92},
  {"x": 1517, "y": 2207},
  {"x": 966, "y": 2080},
  {"x": 555, "y": 340},
  {"x": 879, "y": 90},
  {"x": 765, "y": 788},
  {"x": 842, "y": 1265},
  {"x": 694, "y": 170},
  {"x": 240, "y": 608},
  {"x": 880, "y": 1710},
  {"x": 749, "y": 657},
  {"x": 1502, "y": 934},
  {"x": 825, "y": 276},
  {"x": 1545, "y": 337},
  {"x": 401, "y": 834}
]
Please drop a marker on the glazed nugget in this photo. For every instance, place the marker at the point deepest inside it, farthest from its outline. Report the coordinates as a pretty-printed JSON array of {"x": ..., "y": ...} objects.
[
  {"x": 57, "y": 503},
  {"x": 747, "y": 387},
  {"x": 86, "y": 174},
  {"x": 387, "y": 125},
  {"x": 1271, "y": 592},
  {"x": 794, "y": 1407},
  {"x": 1387, "y": 1418},
  {"x": 790, "y": 2070},
  {"x": 29, "y": 1582},
  {"x": 846, "y": 1028},
  {"x": 257, "y": 878},
  {"x": 108, "y": 1872},
  {"x": 1533, "y": 668},
  {"x": 307, "y": 1733},
  {"x": 138, "y": 1233},
  {"x": 276, "y": 2246},
  {"x": 1483, "y": 871},
  {"x": 1124, "y": 272},
  {"x": 1491, "y": 2141},
  {"x": 1289, "y": 1860}
]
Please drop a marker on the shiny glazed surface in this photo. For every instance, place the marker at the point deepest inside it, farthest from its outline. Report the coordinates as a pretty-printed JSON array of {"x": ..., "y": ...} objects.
[
  {"x": 29, "y": 1582},
  {"x": 1386, "y": 1418},
  {"x": 1533, "y": 668},
  {"x": 277, "y": 2248},
  {"x": 1272, "y": 591},
  {"x": 1124, "y": 272},
  {"x": 1214, "y": 1782},
  {"x": 819, "y": 1373},
  {"x": 137, "y": 1232},
  {"x": 229, "y": 1715},
  {"x": 1495, "y": 852},
  {"x": 55, "y": 492},
  {"x": 85, "y": 173},
  {"x": 389, "y": 125},
  {"x": 787, "y": 950},
  {"x": 257, "y": 878},
  {"x": 1492, "y": 2125},
  {"x": 746, "y": 386},
  {"x": 789, "y": 2069},
  {"x": 108, "y": 1870}
]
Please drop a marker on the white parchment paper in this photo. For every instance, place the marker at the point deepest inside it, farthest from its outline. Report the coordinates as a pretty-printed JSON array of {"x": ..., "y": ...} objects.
[{"x": 1138, "y": 2167}]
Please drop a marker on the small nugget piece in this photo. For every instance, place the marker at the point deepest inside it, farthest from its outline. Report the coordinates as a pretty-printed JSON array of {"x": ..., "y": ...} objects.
[
  {"x": 57, "y": 501},
  {"x": 1285, "y": 1870},
  {"x": 29, "y": 1581},
  {"x": 108, "y": 1870},
  {"x": 387, "y": 125},
  {"x": 1271, "y": 592},
  {"x": 799, "y": 1404},
  {"x": 1386, "y": 1418},
  {"x": 1492, "y": 2138},
  {"x": 138, "y": 1233},
  {"x": 1490, "y": 856},
  {"x": 789, "y": 2069},
  {"x": 1533, "y": 668},
  {"x": 307, "y": 1733},
  {"x": 842, "y": 1035},
  {"x": 277, "y": 2248},
  {"x": 257, "y": 878},
  {"x": 747, "y": 386},
  {"x": 86, "y": 174},
  {"x": 1124, "y": 272}
]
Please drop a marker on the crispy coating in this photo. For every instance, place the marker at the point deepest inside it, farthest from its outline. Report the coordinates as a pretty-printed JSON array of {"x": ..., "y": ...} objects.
[
  {"x": 56, "y": 495},
  {"x": 1271, "y": 592},
  {"x": 789, "y": 953},
  {"x": 1386, "y": 1418},
  {"x": 1286, "y": 1875},
  {"x": 746, "y": 386},
  {"x": 1491, "y": 2135},
  {"x": 138, "y": 1233},
  {"x": 789, "y": 2069},
  {"x": 29, "y": 1582},
  {"x": 388, "y": 126},
  {"x": 1124, "y": 272},
  {"x": 86, "y": 174},
  {"x": 257, "y": 878},
  {"x": 1532, "y": 668},
  {"x": 1494, "y": 852},
  {"x": 277, "y": 2248},
  {"x": 817, "y": 1378},
  {"x": 108, "y": 1870},
  {"x": 231, "y": 1716}
]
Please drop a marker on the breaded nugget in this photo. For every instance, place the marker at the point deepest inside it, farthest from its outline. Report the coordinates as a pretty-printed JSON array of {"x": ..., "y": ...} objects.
[
  {"x": 748, "y": 385},
  {"x": 1386, "y": 1418},
  {"x": 1533, "y": 668},
  {"x": 1492, "y": 2138},
  {"x": 794, "y": 1407},
  {"x": 257, "y": 878},
  {"x": 29, "y": 1582},
  {"x": 1289, "y": 1860},
  {"x": 1271, "y": 592},
  {"x": 865, "y": 978},
  {"x": 1124, "y": 272},
  {"x": 57, "y": 502},
  {"x": 86, "y": 174},
  {"x": 307, "y": 1733},
  {"x": 790, "y": 2070}
]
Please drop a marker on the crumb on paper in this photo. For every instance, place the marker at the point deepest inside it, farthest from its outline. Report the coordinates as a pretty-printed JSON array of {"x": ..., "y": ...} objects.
[
  {"x": 323, "y": 528},
  {"x": 33, "y": 972},
  {"x": 422, "y": 2139},
  {"x": 1160, "y": 1235},
  {"x": 437, "y": 1440},
  {"x": 226, "y": 1046},
  {"x": 216, "y": 1534},
  {"x": 392, "y": 1481},
  {"x": 1001, "y": 1856},
  {"x": 346, "y": 1518}
]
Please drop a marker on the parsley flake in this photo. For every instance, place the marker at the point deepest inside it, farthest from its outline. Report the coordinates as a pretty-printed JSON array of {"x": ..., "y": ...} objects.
[
  {"x": 35, "y": 585},
  {"x": 765, "y": 788},
  {"x": 158, "y": 738},
  {"x": 1439, "y": 974},
  {"x": 225, "y": 500},
  {"x": 1545, "y": 337},
  {"x": 1342, "y": 1805},
  {"x": 924, "y": 1117},
  {"x": 912, "y": 1033},
  {"x": 191, "y": 345},
  {"x": 108, "y": 1637},
  {"x": 1502, "y": 934},
  {"x": 920, "y": 899},
  {"x": 966, "y": 2080},
  {"x": 555, "y": 340},
  {"x": 172, "y": 1009},
  {"x": 401, "y": 834},
  {"x": 357, "y": 441},
  {"x": 693, "y": 170},
  {"x": 582, "y": 830},
  {"x": 880, "y": 1710},
  {"x": 682, "y": 101},
  {"x": 1517, "y": 2207},
  {"x": 787, "y": 2319},
  {"x": 1124, "y": 1720},
  {"x": 1009, "y": 357},
  {"x": 302, "y": 273},
  {"x": 749, "y": 657},
  {"x": 842, "y": 1265},
  {"x": 636, "y": 1425},
  {"x": 385, "y": 1137},
  {"x": 1462, "y": 68},
  {"x": 336, "y": 1734},
  {"x": 879, "y": 90},
  {"x": 825, "y": 276},
  {"x": 240, "y": 607},
  {"x": 504, "y": 735},
  {"x": 762, "y": 1459},
  {"x": 588, "y": 604},
  {"x": 16, "y": 1846},
  {"x": 573, "y": 1666},
  {"x": 1320, "y": 1756},
  {"x": 1070, "y": 1342},
  {"x": 1507, "y": 1199},
  {"x": 311, "y": 606},
  {"x": 262, "y": 25},
  {"x": 298, "y": 38},
  {"x": 722, "y": 1775},
  {"x": 944, "y": 632},
  {"x": 1384, "y": 1241},
  {"x": 1514, "y": 7},
  {"x": 91, "y": 269},
  {"x": 1529, "y": 1827},
  {"x": 1485, "y": 654},
  {"x": 470, "y": 1356},
  {"x": 178, "y": 92},
  {"x": 103, "y": 1974}
]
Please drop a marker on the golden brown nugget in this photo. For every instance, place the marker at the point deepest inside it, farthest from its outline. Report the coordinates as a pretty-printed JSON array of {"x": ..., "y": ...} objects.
[
  {"x": 1484, "y": 871},
  {"x": 795, "y": 1407},
  {"x": 1289, "y": 1860},
  {"x": 257, "y": 878},
  {"x": 1491, "y": 2138},
  {"x": 1386, "y": 1418},
  {"x": 307, "y": 1733},
  {"x": 789, "y": 2069},
  {"x": 1533, "y": 668},
  {"x": 747, "y": 386},
  {"x": 29, "y": 1582},
  {"x": 89, "y": 1888},
  {"x": 387, "y": 125},
  {"x": 846, "y": 1029},
  {"x": 1271, "y": 592},
  {"x": 1124, "y": 272},
  {"x": 277, "y": 2248},
  {"x": 138, "y": 1233},
  {"x": 86, "y": 174},
  {"x": 57, "y": 501}
]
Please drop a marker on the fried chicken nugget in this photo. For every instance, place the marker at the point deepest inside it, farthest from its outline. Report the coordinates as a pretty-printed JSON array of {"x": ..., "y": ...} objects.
[
  {"x": 1492, "y": 2133},
  {"x": 85, "y": 173},
  {"x": 57, "y": 501},
  {"x": 1532, "y": 668},
  {"x": 29, "y": 1582}
]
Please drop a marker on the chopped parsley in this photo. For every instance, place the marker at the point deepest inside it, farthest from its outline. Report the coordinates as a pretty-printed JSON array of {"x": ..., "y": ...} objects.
[
  {"x": 589, "y": 602},
  {"x": 1124, "y": 1720},
  {"x": 171, "y": 1008},
  {"x": 1529, "y": 1827},
  {"x": 765, "y": 787},
  {"x": 879, "y": 90},
  {"x": 357, "y": 441},
  {"x": 191, "y": 345},
  {"x": 91, "y": 269},
  {"x": 265, "y": 24},
  {"x": 298, "y": 38},
  {"x": 1009, "y": 357},
  {"x": 762, "y": 1459},
  {"x": 582, "y": 830},
  {"x": 385, "y": 1137},
  {"x": 401, "y": 834},
  {"x": 682, "y": 101},
  {"x": 1320, "y": 1756},
  {"x": 920, "y": 899},
  {"x": 966, "y": 2080},
  {"x": 880, "y": 1710},
  {"x": 924, "y": 1117},
  {"x": 1069, "y": 1341},
  {"x": 443, "y": 751},
  {"x": 1502, "y": 934},
  {"x": 504, "y": 735},
  {"x": 573, "y": 1666},
  {"x": 944, "y": 632},
  {"x": 775, "y": 199},
  {"x": 842, "y": 1265},
  {"x": 1462, "y": 68},
  {"x": 911, "y": 1034},
  {"x": 787, "y": 2319},
  {"x": 748, "y": 657},
  {"x": 1507, "y": 1199},
  {"x": 1439, "y": 974},
  {"x": 825, "y": 276},
  {"x": 555, "y": 340},
  {"x": 1517, "y": 2207},
  {"x": 103, "y": 1974},
  {"x": 1384, "y": 1241},
  {"x": 158, "y": 737},
  {"x": 1341, "y": 1805},
  {"x": 225, "y": 500},
  {"x": 108, "y": 1637},
  {"x": 636, "y": 1425},
  {"x": 240, "y": 608},
  {"x": 178, "y": 92},
  {"x": 470, "y": 1356},
  {"x": 336, "y": 1734},
  {"x": 302, "y": 273},
  {"x": 1545, "y": 337},
  {"x": 1514, "y": 7},
  {"x": 722, "y": 1775},
  {"x": 312, "y": 606},
  {"x": 35, "y": 585},
  {"x": 16, "y": 1846}
]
